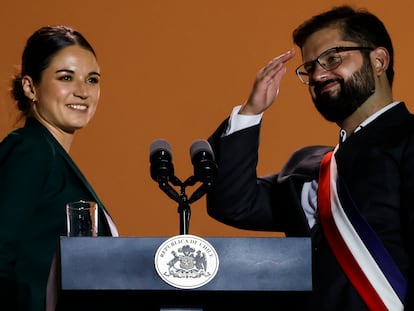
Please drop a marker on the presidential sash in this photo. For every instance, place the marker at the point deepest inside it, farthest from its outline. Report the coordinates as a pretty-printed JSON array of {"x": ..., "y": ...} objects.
[{"x": 361, "y": 254}]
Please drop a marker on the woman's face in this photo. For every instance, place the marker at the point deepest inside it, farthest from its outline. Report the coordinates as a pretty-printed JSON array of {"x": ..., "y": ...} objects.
[{"x": 69, "y": 89}]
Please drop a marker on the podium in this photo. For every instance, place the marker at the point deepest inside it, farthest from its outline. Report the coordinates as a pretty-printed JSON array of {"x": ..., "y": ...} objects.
[{"x": 118, "y": 273}]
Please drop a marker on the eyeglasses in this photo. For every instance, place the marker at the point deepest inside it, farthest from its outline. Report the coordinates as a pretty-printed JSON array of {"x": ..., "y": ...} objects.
[{"x": 328, "y": 60}]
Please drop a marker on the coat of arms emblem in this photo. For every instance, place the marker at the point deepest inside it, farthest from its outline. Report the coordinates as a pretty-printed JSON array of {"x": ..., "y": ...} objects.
[{"x": 186, "y": 261}]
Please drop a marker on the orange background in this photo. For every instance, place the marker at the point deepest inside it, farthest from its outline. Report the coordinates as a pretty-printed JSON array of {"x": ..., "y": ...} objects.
[{"x": 173, "y": 69}]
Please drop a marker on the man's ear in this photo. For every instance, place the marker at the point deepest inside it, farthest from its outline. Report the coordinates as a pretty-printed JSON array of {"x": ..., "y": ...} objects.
[
  {"x": 380, "y": 59},
  {"x": 29, "y": 88}
]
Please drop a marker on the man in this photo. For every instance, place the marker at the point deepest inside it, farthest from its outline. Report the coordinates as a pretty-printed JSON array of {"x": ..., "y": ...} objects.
[{"x": 348, "y": 68}]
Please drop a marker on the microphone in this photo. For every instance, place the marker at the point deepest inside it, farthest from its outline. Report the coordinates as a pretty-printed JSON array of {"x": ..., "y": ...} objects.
[
  {"x": 162, "y": 169},
  {"x": 202, "y": 158}
]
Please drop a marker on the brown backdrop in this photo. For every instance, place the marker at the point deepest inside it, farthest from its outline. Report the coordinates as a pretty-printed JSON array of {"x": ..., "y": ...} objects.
[{"x": 174, "y": 69}]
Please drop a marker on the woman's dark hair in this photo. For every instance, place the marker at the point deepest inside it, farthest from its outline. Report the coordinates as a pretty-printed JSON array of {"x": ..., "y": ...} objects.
[
  {"x": 359, "y": 26},
  {"x": 40, "y": 48}
]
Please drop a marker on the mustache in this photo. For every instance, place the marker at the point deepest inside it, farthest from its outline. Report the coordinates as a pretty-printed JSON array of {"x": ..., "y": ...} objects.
[{"x": 318, "y": 85}]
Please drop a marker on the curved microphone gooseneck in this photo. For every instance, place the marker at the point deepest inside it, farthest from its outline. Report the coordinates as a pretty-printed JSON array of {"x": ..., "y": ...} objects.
[{"x": 162, "y": 171}]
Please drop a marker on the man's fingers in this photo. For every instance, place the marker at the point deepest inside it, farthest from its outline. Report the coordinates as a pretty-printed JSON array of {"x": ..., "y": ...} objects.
[{"x": 276, "y": 64}]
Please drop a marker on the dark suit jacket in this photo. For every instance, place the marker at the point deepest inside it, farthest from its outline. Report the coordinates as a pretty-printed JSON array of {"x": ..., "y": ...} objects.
[
  {"x": 377, "y": 164},
  {"x": 37, "y": 179}
]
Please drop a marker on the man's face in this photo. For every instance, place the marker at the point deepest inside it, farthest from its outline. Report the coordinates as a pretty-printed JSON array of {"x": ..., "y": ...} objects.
[{"x": 339, "y": 92}]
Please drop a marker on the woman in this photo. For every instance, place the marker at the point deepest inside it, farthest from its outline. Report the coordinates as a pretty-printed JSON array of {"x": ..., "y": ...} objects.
[{"x": 57, "y": 92}]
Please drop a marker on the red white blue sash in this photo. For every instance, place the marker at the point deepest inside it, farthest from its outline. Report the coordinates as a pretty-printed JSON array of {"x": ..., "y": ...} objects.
[{"x": 359, "y": 251}]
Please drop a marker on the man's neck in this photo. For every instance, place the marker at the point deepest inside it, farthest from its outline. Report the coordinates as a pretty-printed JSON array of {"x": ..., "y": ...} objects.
[{"x": 367, "y": 109}]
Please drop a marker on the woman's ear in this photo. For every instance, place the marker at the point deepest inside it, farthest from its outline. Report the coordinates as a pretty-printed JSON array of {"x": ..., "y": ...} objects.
[{"x": 29, "y": 88}]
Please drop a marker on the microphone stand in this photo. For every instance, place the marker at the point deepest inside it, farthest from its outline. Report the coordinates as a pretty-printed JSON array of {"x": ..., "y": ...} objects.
[
  {"x": 184, "y": 210},
  {"x": 181, "y": 198}
]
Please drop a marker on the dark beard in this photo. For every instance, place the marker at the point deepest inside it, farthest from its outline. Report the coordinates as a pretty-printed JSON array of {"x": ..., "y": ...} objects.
[{"x": 352, "y": 94}]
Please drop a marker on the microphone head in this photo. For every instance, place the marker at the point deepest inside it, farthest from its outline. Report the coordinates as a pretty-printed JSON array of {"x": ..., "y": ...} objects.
[
  {"x": 161, "y": 167},
  {"x": 202, "y": 157},
  {"x": 160, "y": 144},
  {"x": 202, "y": 146}
]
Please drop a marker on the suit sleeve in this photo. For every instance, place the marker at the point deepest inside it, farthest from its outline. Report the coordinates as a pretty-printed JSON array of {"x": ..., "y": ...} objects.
[
  {"x": 24, "y": 167},
  {"x": 238, "y": 198},
  {"x": 407, "y": 217}
]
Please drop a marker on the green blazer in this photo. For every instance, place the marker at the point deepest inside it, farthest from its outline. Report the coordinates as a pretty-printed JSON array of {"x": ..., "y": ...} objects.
[{"x": 37, "y": 179}]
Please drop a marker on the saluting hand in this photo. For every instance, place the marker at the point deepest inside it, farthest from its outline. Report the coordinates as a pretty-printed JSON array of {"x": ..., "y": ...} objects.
[{"x": 266, "y": 86}]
